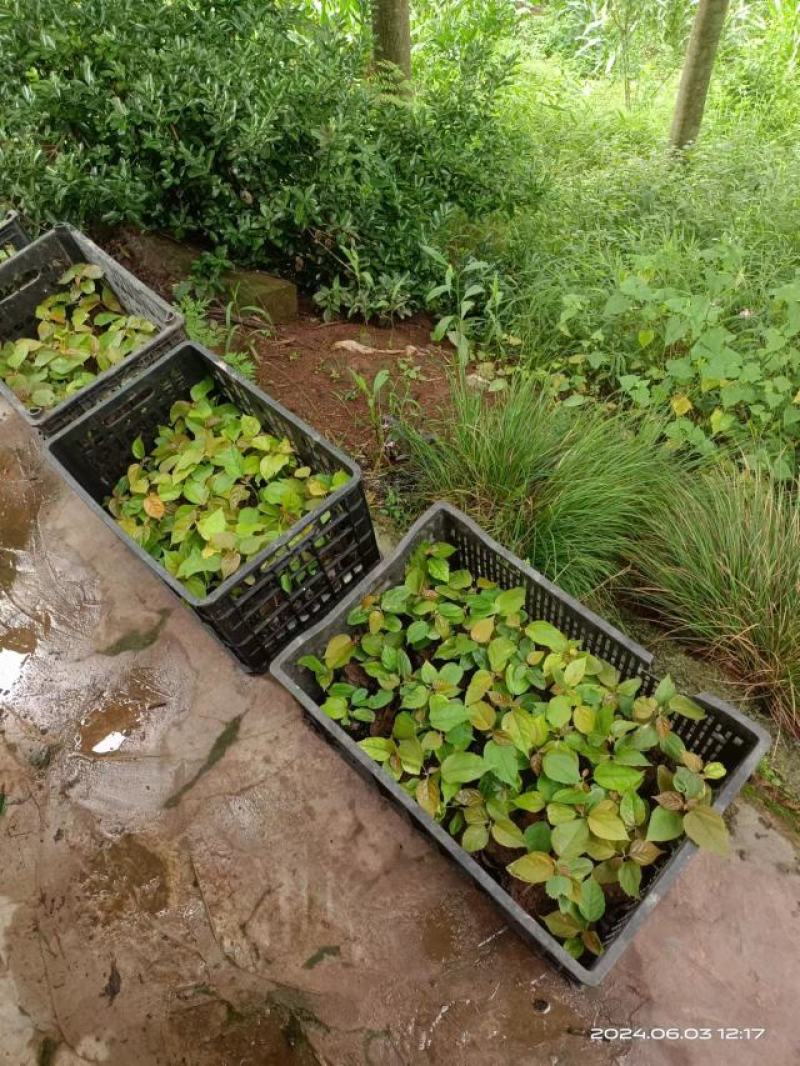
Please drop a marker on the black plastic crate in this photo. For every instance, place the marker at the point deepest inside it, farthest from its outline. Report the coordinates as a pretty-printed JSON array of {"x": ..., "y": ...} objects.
[
  {"x": 32, "y": 274},
  {"x": 724, "y": 734},
  {"x": 11, "y": 233},
  {"x": 323, "y": 554}
]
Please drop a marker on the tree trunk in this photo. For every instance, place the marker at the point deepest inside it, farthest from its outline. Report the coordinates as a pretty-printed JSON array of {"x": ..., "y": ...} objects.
[
  {"x": 391, "y": 28},
  {"x": 697, "y": 69}
]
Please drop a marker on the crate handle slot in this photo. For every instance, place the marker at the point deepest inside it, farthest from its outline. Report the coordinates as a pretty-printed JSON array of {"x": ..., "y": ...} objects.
[{"x": 7, "y": 292}]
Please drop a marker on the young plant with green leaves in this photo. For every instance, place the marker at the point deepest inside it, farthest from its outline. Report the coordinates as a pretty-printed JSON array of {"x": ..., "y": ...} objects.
[
  {"x": 82, "y": 331},
  {"x": 214, "y": 490},
  {"x": 567, "y": 782},
  {"x": 724, "y": 373}
]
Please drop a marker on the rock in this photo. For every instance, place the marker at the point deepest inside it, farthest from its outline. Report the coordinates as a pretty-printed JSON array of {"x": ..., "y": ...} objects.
[{"x": 169, "y": 259}]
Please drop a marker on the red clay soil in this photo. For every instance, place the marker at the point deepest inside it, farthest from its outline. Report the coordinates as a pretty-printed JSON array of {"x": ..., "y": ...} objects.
[
  {"x": 306, "y": 367},
  {"x": 302, "y": 367}
]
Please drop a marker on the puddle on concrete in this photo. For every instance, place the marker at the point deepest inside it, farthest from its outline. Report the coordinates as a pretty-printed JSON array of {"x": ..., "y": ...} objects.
[
  {"x": 128, "y": 877},
  {"x": 20, "y": 500},
  {"x": 17, "y": 644},
  {"x": 440, "y": 933},
  {"x": 221, "y": 1034},
  {"x": 119, "y": 715},
  {"x": 11, "y": 666}
]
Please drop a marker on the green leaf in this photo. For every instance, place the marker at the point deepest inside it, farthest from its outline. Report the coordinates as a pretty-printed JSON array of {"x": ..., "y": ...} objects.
[
  {"x": 559, "y": 711},
  {"x": 687, "y": 708},
  {"x": 439, "y": 570},
  {"x": 617, "y": 778},
  {"x": 629, "y": 876},
  {"x": 480, "y": 683},
  {"x": 339, "y": 651},
  {"x": 605, "y": 822},
  {"x": 574, "y": 672},
  {"x": 559, "y": 885},
  {"x": 335, "y": 707},
  {"x": 665, "y": 691},
  {"x": 271, "y": 465},
  {"x": 378, "y": 748},
  {"x": 537, "y": 837},
  {"x": 561, "y": 764},
  {"x": 510, "y": 602},
  {"x": 417, "y": 631},
  {"x": 508, "y": 834},
  {"x": 705, "y": 827},
  {"x": 532, "y": 801},
  {"x": 664, "y": 825},
  {"x": 534, "y": 868},
  {"x": 688, "y": 783},
  {"x": 501, "y": 759},
  {"x": 462, "y": 766},
  {"x": 592, "y": 903},
  {"x": 500, "y": 651},
  {"x": 570, "y": 839},
  {"x": 138, "y": 448},
  {"x": 713, "y": 771},
  {"x": 546, "y": 635},
  {"x": 211, "y": 524},
  {"x": 475, "y": 838},
  {"x": 446, "y": 714}
]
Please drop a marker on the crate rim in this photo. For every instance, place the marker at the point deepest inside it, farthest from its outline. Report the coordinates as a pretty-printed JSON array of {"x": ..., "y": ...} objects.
[
  {"x": 591, "y": 976},
  {"x": 175, "y": 321},
  {"x": 414, "y": 532},
  {"x": 257, "y": 560}
]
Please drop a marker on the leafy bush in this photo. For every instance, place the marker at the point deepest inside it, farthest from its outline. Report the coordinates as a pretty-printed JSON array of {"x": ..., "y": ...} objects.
[
  {"x": 83, "y": 331},
  {"x": 214, "y": 490},
  {"x": 726, "y": 373},
  {"x": 724, "y": 575},
  {"x": 534, "y": 754},
  {"x": 256, "y": 129},
  {"x": 565, "y": 488}
]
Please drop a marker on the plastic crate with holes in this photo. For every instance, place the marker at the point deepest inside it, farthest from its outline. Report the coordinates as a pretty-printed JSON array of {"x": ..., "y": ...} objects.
[
  {"x": 724, "y": 734},
  {"x": 12, "y": 236},
  {"x": 31, "y": 275},
  {"x": 287, "y": 586}
]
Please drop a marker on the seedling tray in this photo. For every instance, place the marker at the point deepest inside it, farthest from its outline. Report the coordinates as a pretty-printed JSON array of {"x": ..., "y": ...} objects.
[
  {"x": 32, "y": 274},
  {"x": 11, "y": 232},
  {"x": 323, "y": 554},
  {"x": 724, "y": 735}
]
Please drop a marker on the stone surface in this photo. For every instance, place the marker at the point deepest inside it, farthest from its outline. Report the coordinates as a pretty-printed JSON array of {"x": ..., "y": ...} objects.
[
  {"x": 161, "y": 256},
  {"x": 161, "y": 908}
]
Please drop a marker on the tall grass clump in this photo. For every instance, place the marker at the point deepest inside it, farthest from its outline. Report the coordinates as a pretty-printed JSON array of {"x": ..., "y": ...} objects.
[
  {"x": 565, "y": 488},
  {"x": 724, "y": 574}
]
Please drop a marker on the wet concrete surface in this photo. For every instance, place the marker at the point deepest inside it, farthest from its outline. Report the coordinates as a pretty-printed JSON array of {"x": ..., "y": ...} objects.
[{"x": 189, "y": 876}]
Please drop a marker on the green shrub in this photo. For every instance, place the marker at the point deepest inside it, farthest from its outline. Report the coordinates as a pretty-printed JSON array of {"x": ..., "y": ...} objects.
[
  {"x": 255, "y": 128},
  {"x": 720, "y": 565},
  {"x": 724, "y": 372}
]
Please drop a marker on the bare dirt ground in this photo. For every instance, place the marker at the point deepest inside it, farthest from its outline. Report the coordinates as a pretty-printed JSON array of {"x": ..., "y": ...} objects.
[{"x": 309, "y": 367}]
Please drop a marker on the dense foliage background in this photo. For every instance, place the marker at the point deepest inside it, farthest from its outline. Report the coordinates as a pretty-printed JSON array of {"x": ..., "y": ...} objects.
[{"x": 256, "y": 126}]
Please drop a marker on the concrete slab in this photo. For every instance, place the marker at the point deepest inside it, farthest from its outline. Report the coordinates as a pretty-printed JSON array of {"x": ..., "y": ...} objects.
[{"x": 189, "y": 875}]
